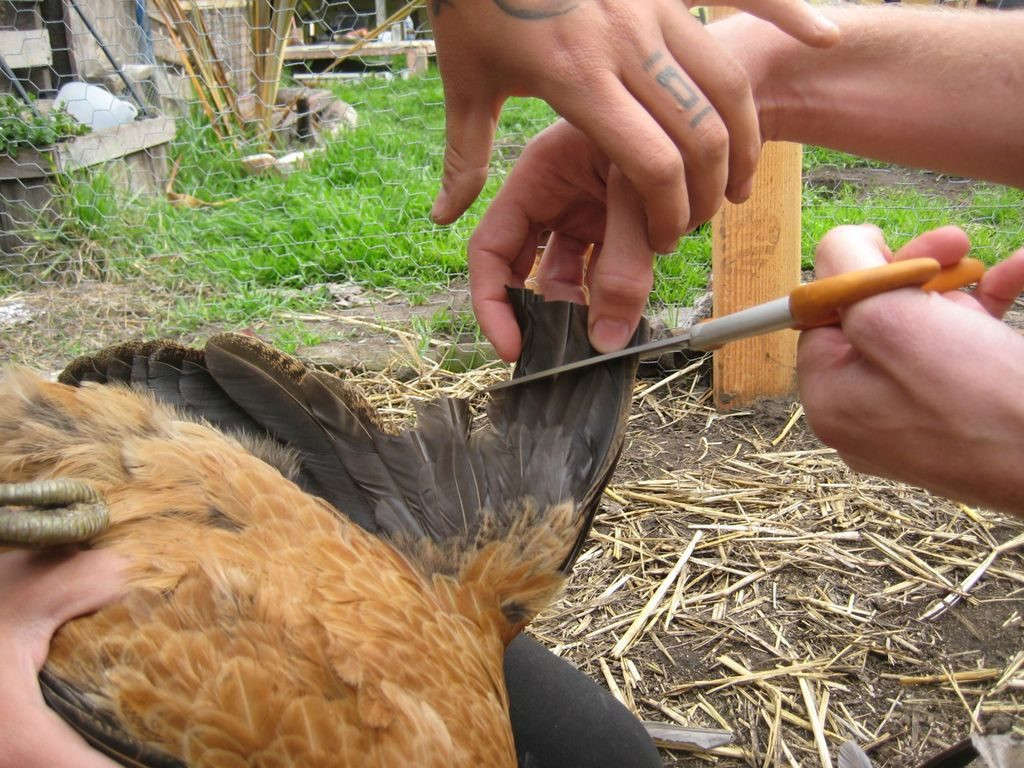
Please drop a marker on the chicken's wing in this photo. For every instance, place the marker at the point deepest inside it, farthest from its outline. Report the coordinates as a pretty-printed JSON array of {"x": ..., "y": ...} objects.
[{"x": 265, "y": 628}]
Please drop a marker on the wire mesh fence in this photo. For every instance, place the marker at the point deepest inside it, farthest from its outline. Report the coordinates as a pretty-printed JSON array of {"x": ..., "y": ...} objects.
[
  {"x": 239, "y": 172},
  {"x": 257, "y": 163}
]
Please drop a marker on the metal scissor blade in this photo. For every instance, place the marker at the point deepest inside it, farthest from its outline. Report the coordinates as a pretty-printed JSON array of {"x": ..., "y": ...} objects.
[
  {"x": 763, "y": 318},
  {"x": 807, "y": 306},
  {"x": 646, "y": 351}
]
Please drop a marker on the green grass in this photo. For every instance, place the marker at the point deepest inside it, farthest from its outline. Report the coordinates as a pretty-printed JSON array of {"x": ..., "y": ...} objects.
[
  {"x": 814, "y": 157},
  {"x": 681, "y": 276},
  {"x": 992, "y": 216},
  {"x": 360, "y": 212}
]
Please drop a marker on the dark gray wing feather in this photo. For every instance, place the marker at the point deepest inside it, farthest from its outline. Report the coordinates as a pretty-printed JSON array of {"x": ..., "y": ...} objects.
[
  {"x": 274, "y": 391},
  {"x": 551, "y": 440},
  {"x": 583, "y": 413}
]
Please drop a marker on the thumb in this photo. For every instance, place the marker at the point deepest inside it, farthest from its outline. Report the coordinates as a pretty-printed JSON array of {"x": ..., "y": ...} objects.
[
  {"x": 42, "y": 590},
  {"x": 469, "y": 125},
  {"x": 947, "y": 245},
  {"x": 84, "y": 582},
  {"x": 795, "y": 17},
  {"x": 1001, "y": 285}
]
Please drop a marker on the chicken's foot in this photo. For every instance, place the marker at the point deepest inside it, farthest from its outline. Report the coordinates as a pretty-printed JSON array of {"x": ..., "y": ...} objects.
[{"x": 49, "y": 513}]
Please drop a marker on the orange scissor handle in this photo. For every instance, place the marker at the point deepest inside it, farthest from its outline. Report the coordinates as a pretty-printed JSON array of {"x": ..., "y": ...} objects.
[{"x": 818, "y": 303}]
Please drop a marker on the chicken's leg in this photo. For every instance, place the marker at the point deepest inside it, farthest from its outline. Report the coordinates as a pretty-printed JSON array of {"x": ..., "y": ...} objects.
[{"x": 50, "y": 513}]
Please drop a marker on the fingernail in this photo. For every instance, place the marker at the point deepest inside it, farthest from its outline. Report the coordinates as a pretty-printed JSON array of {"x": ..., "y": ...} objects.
[
  {"x": 440, "y": 206},
  {"x": 826, "y": 28},
  {"x": 746, "y": 190},
  {"x": 668, "y": 247},
  {"x": 663, "y": 246},
  {"x": 609, "y": 335}
]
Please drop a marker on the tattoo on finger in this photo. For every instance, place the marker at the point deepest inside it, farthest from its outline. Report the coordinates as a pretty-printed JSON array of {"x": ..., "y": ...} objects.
[{"x": 679, "y": 87}]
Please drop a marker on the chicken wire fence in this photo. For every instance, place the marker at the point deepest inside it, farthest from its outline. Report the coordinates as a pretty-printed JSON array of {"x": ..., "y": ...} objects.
[{"x": 257, "y": 163}]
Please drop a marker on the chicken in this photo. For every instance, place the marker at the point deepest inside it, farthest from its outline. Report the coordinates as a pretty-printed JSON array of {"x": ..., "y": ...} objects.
[{"x": 308, "y": 589}]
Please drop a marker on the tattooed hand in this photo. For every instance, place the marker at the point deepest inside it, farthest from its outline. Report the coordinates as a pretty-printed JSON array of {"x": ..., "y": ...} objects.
[
  {"x": 565, "y": 185},
  {"x": 668, "y": 104}
]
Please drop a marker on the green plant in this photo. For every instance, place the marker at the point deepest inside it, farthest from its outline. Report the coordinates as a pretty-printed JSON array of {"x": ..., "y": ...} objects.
[
  {"x": 23, "y": 125},
  {"x": 451, "y": 323}
]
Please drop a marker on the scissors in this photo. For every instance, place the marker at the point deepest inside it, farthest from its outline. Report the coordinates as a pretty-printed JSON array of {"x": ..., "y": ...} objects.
[{"x": 810, "y": 305}]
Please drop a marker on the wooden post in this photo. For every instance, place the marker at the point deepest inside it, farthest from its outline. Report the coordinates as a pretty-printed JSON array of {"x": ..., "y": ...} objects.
[{"x": 755, "y": 257}]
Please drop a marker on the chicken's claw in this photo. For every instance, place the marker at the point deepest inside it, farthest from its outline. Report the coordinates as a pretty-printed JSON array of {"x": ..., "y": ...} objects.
[{"x": 50, "y": 513}]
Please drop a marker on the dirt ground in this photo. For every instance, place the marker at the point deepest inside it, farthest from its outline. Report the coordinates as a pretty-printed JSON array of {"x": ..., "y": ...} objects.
[
  {"x": 740, "y": 577},
  {"x": 810, "y": 594}
]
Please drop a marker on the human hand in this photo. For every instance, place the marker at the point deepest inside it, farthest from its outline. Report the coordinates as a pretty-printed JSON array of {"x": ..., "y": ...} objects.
[
  {"x": 657, "y": 93},
  {"x": 563, "y": 183},
  {"x": 918, "y": 387},
  {"x": 38, "y": 593}
]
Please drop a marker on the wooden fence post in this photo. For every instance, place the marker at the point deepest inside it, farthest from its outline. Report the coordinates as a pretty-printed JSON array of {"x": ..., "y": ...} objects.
[{"x": 755, "y": 257}]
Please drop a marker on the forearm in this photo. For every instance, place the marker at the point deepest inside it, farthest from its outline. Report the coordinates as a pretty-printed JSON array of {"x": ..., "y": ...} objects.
[{"x": 927, "y": 88}]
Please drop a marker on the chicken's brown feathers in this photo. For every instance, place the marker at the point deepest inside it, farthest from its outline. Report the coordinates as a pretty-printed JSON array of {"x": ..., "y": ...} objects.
[{"x": 264, "y": 627}]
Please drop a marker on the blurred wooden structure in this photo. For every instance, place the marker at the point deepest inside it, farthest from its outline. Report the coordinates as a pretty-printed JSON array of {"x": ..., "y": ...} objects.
[
  {"x": 135, "y": 158},
  {"x": 224, "y": 27},
  {"x": 27, "y": 42},
  {"x": 391, "y": 36},
  {"x": 26, "y": 49},
  {"x": 417, "y": 53}
]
